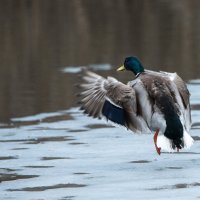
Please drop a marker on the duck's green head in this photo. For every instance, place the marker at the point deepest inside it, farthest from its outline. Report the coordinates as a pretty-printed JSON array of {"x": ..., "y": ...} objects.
[{"x": 132, "y": 64}]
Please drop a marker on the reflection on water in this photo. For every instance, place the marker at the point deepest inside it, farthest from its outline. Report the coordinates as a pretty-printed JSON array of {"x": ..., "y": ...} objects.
[{"x": 38, "y": 38}]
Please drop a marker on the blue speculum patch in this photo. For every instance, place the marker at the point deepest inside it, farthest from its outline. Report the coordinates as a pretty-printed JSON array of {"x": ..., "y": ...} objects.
[{"x": 113, "y": 113}]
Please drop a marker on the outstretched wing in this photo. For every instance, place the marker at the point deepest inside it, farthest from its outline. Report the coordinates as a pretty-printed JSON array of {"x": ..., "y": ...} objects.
[
  {"x": 111, "y": 99},
  {"x": 185, "y": 97},
  {"x": 184, "y": 94}
]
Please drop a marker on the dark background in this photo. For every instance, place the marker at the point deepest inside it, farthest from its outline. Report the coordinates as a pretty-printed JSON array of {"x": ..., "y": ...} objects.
[{"x": 40, "y": 37}]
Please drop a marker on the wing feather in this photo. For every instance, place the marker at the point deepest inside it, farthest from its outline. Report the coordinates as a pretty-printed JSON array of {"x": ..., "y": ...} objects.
[
  {"x": 178, "y": 84},
  {"x": 185, "y": 96},
  {"x": 110, "y": 98}
]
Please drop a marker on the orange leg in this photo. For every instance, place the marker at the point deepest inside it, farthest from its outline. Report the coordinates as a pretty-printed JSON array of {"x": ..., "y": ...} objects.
[{"x": 158, "y": 149}]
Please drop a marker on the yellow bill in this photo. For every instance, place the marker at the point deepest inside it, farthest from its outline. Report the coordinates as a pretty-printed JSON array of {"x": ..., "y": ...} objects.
[{"x": 121, "y": 68}]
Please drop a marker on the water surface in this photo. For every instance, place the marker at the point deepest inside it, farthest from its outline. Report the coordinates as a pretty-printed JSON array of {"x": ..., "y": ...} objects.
[
  {"x": 49, "y": 149},
  {"x": 39, "y": 38},
  {"x": 67, "y": 155}
]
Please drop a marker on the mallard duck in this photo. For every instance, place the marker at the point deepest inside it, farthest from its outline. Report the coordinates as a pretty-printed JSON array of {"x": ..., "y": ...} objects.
[{"x": 155, "y": 102}]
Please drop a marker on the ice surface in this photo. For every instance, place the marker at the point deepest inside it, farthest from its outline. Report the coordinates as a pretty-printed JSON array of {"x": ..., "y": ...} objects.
[
  {"x": 39, "y": 117},
  {"x": 77, "y": 69},
  {"x": 195, "y": 81},
  {"x": 72, "y": 69},
  {"x": 86, "y": 159},
  {"x": 100, "y": 66},
  {"x": 194, "y": 91}
]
